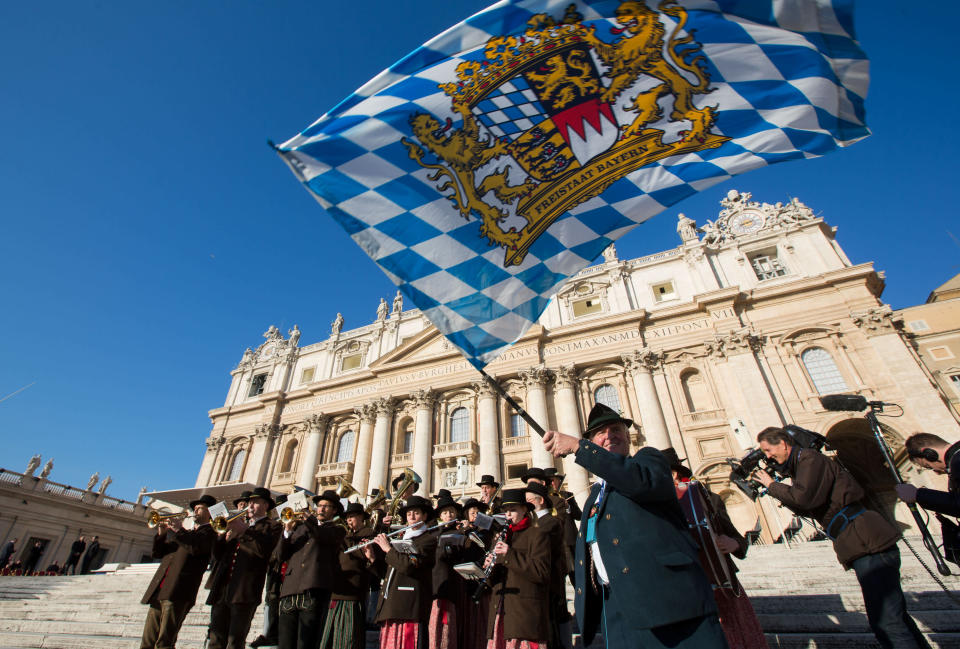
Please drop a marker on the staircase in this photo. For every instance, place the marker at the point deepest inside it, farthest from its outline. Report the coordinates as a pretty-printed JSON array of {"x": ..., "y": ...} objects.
[{"x": 803, "y": 598}]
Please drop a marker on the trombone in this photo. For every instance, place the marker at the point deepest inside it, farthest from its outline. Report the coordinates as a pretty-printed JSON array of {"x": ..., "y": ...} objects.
[
  {"x": 221, "y": 523},
  {"x": 155, "y": 518}
]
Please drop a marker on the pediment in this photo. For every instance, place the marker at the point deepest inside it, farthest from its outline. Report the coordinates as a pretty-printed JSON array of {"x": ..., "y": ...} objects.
[{"x": 429, "y": 344}]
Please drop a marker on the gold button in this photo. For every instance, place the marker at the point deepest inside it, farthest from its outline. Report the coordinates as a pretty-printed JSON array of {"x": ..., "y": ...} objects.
[
  {"x": 616, "y": 541},
  {"x": 626, "y": 570},
  {"x": 579, "y": 591},
  {"x": 608, "y": 516},
  {"x": 581, "y": 562}
]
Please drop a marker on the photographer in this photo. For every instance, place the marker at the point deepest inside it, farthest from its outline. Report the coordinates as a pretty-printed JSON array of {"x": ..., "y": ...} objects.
[
  {"x": 862, "y": 538},
  {"x": 932, "y": 452}
]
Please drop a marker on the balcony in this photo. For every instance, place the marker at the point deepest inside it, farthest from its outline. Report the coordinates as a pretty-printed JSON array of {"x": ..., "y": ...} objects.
[
  {"x": 445, "y": 455},
  {"x": 521, "y": 443},
  {"x": 704, "y": 417},
  {"x": 327, "y": 474},
  {"x": 402, "y": 459},
  {"x": 287, "y": 477}
]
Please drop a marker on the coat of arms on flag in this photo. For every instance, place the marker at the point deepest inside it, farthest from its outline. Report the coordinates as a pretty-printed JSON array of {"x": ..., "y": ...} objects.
[
  {"x": 540, "y": 99},
  {"x": 488, "y": 166}
]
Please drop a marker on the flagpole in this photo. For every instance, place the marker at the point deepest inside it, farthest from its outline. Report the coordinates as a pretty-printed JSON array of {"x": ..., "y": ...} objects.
[{"x": 516, "y": 406}]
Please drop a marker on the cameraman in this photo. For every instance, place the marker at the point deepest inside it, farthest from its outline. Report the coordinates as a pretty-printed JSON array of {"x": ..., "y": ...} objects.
[
  {"x": 862, "y": 538},
  {"x": 929, "y": 451}
]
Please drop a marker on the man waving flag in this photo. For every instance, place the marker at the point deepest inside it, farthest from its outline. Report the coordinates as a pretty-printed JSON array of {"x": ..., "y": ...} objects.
[{"x": 501, "y": 157}]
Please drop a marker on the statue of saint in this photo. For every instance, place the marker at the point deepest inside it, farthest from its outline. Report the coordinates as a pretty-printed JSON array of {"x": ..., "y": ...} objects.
[
  {"x": 94, "y": 479},
  {"x": 103, "y": 485},
  {"x": 47, "y": 468},
  {"x": 337, "y": 325},
  {"x": 398, "y": 303},
  {"x": 610, "y": 253},
  {"x": 32, "y": 465},
  {"x": 294, "y": 335},
  {"x": 382, "y": 310}
]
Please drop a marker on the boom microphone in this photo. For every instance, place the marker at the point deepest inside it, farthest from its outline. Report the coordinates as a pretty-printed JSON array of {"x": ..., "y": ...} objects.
[{"x": 844, "y": 402}]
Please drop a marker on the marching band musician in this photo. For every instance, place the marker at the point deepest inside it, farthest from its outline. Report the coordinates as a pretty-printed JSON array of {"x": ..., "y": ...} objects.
[
  {"x": 345, "y": 626},
  {"x": 737, "y": 617},
  {"x": 270, "y": 636},
  {"x": 539, "y": 496},
  {"x": 236, "y": 583},
  {"x": 448, "y": 586},
  {"x": 172, "y": 592},
  {"x": 407, "y": 492},
  {"x": 405, "y": 594},
  {"x": 488, "y": 489},
  {"x": 472, "y": 616},
  {"x": 568, "y": 512},
  {"x": 519, "y": 606},
  {"x": 309, "y": 547}
]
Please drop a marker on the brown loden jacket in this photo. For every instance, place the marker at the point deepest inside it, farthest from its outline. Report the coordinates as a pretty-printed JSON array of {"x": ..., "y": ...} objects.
[
  {"x": 241, "y": 564},
  {"x": 820, "y": 489},
  {"x": 184, "y": 556},
  {"x": 522, "y": 585},
  {"x": 353, "y": 574},
  {"x": 311, "y": 556},
  {"x": 406, "y": 591}
]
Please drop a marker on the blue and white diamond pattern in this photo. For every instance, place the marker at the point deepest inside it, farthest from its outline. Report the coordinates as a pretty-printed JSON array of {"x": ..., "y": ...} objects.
[{"x": 789, "y": 79}]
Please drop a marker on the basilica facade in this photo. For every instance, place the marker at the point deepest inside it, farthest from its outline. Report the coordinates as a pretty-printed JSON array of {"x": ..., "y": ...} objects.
[{"x": 743, "y": 325}]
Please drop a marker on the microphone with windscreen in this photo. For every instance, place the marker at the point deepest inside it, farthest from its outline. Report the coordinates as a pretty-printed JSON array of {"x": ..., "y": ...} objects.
[{"x": 844, "y": 402}]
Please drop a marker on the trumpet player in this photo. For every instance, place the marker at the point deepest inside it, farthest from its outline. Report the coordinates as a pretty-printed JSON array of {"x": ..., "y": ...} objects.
[
  {"x": 309, "y": 546},
  {"x": 184, "y": 555},
  {"x": 236, "y": 584}
]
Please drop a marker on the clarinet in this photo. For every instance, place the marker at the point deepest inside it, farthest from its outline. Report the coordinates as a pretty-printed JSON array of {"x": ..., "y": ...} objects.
[{"x": 483, "y": 584}]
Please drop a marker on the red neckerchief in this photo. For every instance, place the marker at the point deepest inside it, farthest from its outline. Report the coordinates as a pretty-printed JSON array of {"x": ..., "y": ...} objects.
[
  {"x": 522, "y": 524},
  {"x": 682, "y": 487}
]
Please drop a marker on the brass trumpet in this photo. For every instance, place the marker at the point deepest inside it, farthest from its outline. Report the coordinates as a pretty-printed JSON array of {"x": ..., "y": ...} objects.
[
  {"x": 221, "y": 523},
  {"x": 155, "y": 518},
  {"x": 372, "y": 508},
  {"x": 288, "y": 515}
]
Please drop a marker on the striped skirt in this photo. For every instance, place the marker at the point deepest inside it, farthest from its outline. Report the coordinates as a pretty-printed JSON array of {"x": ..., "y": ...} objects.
[
  {"x": 500, "y": 642},
  {"x": 400, "y": 634},
  {"x": 344, "y": 628},
  {"x": 443, "y": 625}
]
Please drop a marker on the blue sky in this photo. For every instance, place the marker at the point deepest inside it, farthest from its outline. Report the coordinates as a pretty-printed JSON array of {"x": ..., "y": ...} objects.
[{"x": 150, "y": 235}]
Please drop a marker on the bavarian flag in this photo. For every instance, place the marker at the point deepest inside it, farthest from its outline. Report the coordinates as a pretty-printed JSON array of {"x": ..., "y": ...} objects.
[{"x": 500, "y": 158}]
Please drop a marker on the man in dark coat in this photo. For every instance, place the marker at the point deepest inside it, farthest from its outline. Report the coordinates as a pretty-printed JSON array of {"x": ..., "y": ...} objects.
[
  {"x": 184, "y": 555},
  {"x": 310, "y": 549},
  {"x": 637, "y": 567},
  {"x": 76, "y": 551},
  {"x": 560, "y": 564},
  {"x": 92, "y": 555},
  {"x": 488, "y": 493},
  {"x": 929, "y": 451},
  {"x": 8, "y": 549},
  {"x": 863, "y": 540},
  {"x": 236, "y": 585},
  {"x": 33, "y": 557}
]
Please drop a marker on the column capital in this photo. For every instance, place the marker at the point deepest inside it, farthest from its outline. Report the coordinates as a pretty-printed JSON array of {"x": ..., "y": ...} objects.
[
  {"x": 740, "y": 341},
  {"x": 876, "y": 321},
  {"x": 316, "y": 422},
  {"x": 642, "y": 361},
  {"x": 484, "y": 390},
  {"x": 566, "y": 376},
  {"x": 271, "y": 431},
  {"x": 423, "y": 399},
  {"x": 536, "y": 376},
  {"x": 384, "y": 406},
  {"x": 367, "y": 412},
  {"x": 214, "y": 443}
]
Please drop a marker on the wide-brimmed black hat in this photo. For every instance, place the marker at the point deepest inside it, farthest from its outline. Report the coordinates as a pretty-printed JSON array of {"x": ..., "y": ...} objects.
[
  {"x": 551, "y": 473},
  {"x": 515, "y": 497},
  {"x": 443, "y": 493},
  {"x": 487, "y": 480},
  {"x": 258, "y": 492},
  {"x": 534, "y": 472},
  {"x": 396, "y": 481},
  {"x": 540, "y": 490},
  {"x": 448, "y": 501},
  {"x": 205, "y": 499},
  {"x": 416, "y": 502},
  {"x": 282, "y": 498},
  {"x": 330, "y": 496},
  {"x": 473, "y": 502},
  {"x": 355, "y": 508},
  {"x": 600, "y": 416},
  {"x": 676, "y": 464}
]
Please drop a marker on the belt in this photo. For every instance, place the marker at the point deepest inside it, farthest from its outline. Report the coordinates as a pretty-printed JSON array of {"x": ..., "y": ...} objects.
[{"x": 843, "y": 517}]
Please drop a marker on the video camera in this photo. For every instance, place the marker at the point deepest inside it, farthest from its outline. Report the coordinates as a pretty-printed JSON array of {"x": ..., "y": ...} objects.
[{"x": 755, "y": 459}]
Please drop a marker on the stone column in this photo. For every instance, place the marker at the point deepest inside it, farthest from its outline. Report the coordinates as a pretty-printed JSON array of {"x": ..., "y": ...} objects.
[
  {"x": 380, "y": 452},
  {"x": 273, "y": 432},
  {"x": 424, "y": 401},
  {"x": 568, "y": 421},
  {"x": 744, "y": 379},
  {"x": 257, "y": 455},
  {"x": 488, "y": 433},
  {"x": 640, "y": 365},
  {"x": 535, "y": 379},
  {"x": 316, "y": 426},
  {"x": 361, "y": 466},
  {"x": 206, "y": 474}
]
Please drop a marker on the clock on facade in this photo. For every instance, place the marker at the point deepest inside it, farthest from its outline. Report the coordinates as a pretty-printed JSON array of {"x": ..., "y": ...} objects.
[{"x": 746, "y": 222}]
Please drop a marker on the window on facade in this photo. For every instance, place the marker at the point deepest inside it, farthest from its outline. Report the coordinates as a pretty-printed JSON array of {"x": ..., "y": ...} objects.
[
  {"x": 406, "y": 439},
  {"x": 664, "y": 291},
  {"x": 607, "y": 395},
  {"x": 918, "y": 325},
  {"x": 291, "y": 451},
  {"x": 695, "y": 391},
  {"x": 351, "y": 362},
  {"x": 823, "y": 371},
  {"x": 767, "y": 265},
  {"x": 306, "y": 376},
  {"x": 345, "y": 447},
  {"x": 460, "y": 425},
  {"x": 518, "y": 427},
  {"x": 516, "y": 471},
  {"x": 236, "y": 466},
  {"x": 586, "y": 307},
  {"x": 941, "y": 353},
  {"x": 257, "y": 384}
]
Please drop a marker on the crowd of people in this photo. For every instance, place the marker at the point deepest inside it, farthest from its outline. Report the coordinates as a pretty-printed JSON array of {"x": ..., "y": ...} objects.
[
  {"x": 28, "y": 564},
  {"x": 648, "y": 557}
]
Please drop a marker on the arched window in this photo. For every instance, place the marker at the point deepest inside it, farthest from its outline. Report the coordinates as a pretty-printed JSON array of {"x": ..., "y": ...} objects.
[
  {"x": 460, "y": 425},
  {"x": 518, "y": 427},
  {"x": 607, "y": 395},
  {"x": 287, "y": 464},
  {"x": 406, "y": 438},
  {"x": 237, "y": 465},
  {"x": 345, "y": 448},
  {"x": 695, "y": 391},
  {"x": 823, "y": 371}
]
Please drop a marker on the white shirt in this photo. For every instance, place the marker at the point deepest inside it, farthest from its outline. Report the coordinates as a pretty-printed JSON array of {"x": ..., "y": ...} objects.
[{"x": 595, "y": 550}]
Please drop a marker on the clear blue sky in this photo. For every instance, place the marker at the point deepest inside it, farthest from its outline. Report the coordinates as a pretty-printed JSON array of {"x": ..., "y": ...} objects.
[{"x": 150, "y": 235}]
